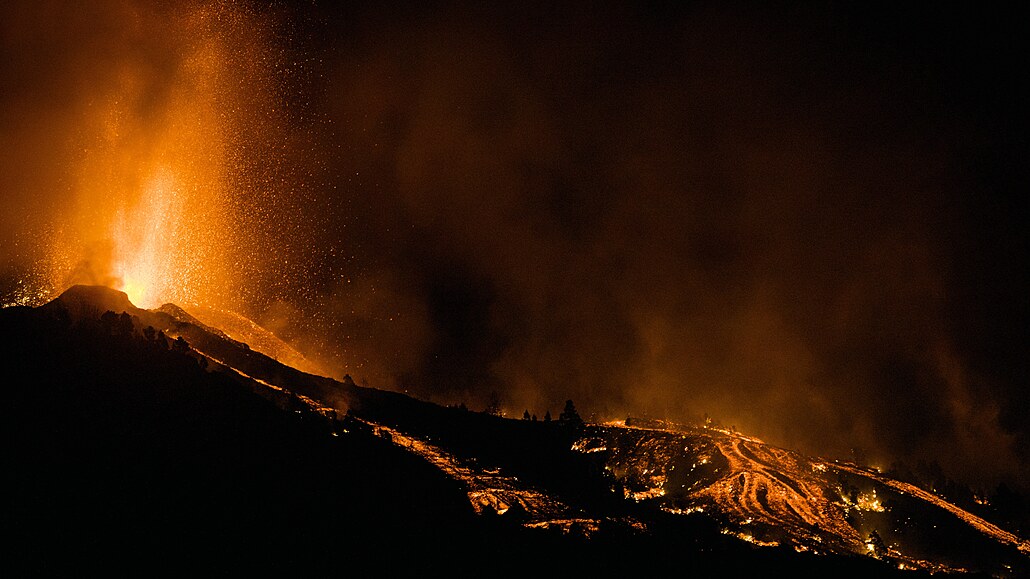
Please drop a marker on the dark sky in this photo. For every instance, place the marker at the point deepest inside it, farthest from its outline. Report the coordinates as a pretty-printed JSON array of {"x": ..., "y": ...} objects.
[{"x": 808, "y": 222}]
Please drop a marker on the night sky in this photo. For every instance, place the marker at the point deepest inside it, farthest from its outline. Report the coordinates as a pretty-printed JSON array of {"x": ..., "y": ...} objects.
[{"x": 807, "y": 222}]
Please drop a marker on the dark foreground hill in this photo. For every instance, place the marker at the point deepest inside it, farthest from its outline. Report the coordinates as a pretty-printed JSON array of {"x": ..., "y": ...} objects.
[
  {"x": 128, "y": 451},
  {"x": 120, "y": 454}
]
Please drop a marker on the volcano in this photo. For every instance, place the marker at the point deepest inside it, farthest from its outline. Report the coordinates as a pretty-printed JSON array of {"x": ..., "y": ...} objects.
[{"x": 156, "y": 439}]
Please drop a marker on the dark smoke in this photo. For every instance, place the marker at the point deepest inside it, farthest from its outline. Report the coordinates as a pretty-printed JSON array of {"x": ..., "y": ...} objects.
[
  {"x": 762, "y": 215},
  {"x": 798, "y": 221}
]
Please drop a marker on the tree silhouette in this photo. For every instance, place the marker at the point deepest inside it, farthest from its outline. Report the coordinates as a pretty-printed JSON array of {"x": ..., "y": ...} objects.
[
  {"x": 109, "y": 320},
  {"x": 180, "y": 345},
  {"x": 876, "y": 545},
  {"x": 525, "y": 415},
  {"x": 547, "y": 416},
  {"x": 124, "y": 325},
  {"x": 569, "y": 415},
  {"x": 493, "y": 404}
]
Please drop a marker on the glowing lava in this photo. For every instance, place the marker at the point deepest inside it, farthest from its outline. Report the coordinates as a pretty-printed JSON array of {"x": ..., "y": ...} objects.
[
  {"x": 145, "y": 241},
  {"x": 768, "y": 496},
  {"x": 159, "y": 188}
]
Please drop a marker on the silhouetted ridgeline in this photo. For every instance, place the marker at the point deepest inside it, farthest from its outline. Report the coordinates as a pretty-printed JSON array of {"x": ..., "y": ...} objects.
[{"x": 128, "y": 451}]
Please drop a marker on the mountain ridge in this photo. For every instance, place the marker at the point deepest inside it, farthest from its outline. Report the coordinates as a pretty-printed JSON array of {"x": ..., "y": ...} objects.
[{"x": 590, "y": 480}]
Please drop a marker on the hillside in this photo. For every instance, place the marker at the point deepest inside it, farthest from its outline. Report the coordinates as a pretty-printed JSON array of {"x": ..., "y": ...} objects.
[{"x": 140, "y": 437}]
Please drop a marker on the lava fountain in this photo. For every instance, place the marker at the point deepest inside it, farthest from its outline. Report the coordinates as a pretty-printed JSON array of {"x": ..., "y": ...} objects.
[
  {"x": 146, "y": 260},
  {"x": 163, "y": 138}
]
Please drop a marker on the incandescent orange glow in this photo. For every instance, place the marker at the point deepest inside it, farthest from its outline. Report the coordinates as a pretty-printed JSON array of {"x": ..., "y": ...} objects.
[
  {"x": 154, "y": 189},
  {"x": 145, "y": 244}
]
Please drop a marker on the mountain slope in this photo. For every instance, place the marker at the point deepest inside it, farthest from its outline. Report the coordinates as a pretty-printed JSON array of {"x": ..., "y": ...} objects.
[
  {"x": 769, "y": 495},
  {"x": 142, "y": 427},
  {"x": 124, "y": 455}
]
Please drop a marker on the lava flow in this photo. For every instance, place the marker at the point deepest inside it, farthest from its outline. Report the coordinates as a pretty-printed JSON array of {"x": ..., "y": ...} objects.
[{"x": 772, "y": 496}]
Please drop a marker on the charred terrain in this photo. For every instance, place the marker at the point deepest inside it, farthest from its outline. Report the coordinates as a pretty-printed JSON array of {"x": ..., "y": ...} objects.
[{"x": 149, "y": 441}]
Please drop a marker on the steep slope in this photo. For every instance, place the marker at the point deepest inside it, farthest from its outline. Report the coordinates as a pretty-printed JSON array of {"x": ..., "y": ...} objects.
[
  {"x": 245, "y": 331},
  {"x": 123, "y": 455},
  {"x": 89, "y": 302},
  {"x": 643, "y": 494},
  {"x": 130, "y": 454}
]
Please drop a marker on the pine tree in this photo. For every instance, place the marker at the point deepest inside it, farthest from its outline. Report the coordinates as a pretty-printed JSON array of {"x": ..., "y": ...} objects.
[{"x": 569, "y": 415}]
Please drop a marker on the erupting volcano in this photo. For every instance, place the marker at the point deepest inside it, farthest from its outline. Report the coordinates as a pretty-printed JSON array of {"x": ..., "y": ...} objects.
[
  {"x": 283, "y": 277},
  {"x": 651, "y": 481},
  {"x": 159, "y": 191}
]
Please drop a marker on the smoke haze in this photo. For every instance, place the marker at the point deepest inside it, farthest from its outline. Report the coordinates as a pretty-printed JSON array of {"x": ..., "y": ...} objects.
[{"x": 796, "y": 221}]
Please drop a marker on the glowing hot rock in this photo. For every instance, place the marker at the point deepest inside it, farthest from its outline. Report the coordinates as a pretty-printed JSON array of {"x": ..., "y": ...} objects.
[{"x": 136, "y": 291}]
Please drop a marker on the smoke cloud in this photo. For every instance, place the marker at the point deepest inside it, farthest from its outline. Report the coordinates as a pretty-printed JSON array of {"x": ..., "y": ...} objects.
[{"x": 791, "y": 220}]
